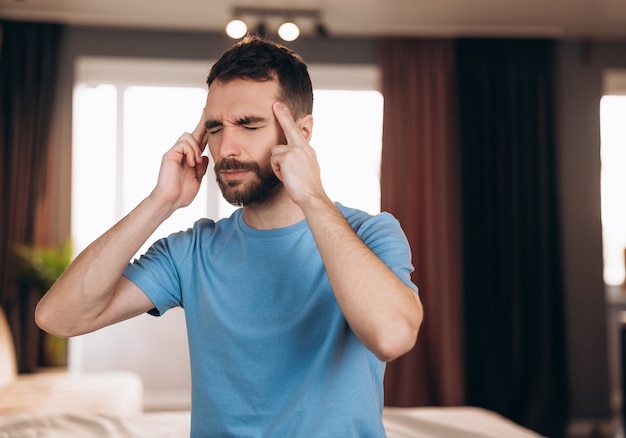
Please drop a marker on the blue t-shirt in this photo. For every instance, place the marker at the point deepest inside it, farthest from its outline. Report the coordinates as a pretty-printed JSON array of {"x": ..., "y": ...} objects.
[{"x": 271, "y": 353}]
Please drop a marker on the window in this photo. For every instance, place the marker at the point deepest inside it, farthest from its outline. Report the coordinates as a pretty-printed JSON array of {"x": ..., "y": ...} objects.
[
  {"x": 613, "y": 176},
  {"x": 118, "y": 144},
  {"x": 127, "y": 114}
]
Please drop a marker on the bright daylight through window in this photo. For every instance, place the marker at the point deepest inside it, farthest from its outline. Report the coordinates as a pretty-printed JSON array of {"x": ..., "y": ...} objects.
[
  {"x": 613, "y": 155},
  {"x": 124, "y": 124}
]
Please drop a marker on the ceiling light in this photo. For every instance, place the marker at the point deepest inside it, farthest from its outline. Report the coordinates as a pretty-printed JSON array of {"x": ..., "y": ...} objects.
[
  {"x": 265, "y": 21},
  {"x": 236, "y": 29},
  {"x": 288, "y": 31}
]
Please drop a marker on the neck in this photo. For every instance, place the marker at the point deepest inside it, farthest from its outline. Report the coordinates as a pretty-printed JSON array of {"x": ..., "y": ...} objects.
[{"x": 277, "y": 211}]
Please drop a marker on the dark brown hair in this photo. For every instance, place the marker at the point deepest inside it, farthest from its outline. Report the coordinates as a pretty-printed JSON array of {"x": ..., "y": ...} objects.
[{"x": 260, "y": 59}]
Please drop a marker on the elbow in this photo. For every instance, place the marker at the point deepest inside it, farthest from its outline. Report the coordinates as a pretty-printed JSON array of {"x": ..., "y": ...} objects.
[
  {"x": 48, "y": 322},
  {"x": 400, "y": 339},
  {"x": 396, "y": 344},
  {"x": 43, "y": 319}
]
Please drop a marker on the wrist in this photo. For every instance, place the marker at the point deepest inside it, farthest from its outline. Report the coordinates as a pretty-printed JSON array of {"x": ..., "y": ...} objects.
[
  {"x": 157, "y": 207},
  {"x": 319, "y": 207}
]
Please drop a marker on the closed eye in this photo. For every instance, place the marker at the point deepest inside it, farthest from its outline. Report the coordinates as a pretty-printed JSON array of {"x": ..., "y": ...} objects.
[
  {"x": 213, "y": 126},
  {"x": 247, "y": 123},
  {"x": 221, "y": 128},
  {"x": 251, "y": 123}
]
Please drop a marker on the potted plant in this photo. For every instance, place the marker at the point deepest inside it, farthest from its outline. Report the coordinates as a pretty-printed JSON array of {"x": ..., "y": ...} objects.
[{"x": 39, "y": 269}]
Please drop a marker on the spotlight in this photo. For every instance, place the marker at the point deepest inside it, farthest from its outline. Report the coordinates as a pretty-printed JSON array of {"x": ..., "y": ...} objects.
[
  {"x": 288, "y": 31},
  {"x": 236, "y": 29}
]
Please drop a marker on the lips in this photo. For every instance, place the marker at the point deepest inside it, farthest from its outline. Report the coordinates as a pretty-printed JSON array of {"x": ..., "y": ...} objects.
[
  {"x": 233, "y": 174},
  {"x": 232, "y": 170}
]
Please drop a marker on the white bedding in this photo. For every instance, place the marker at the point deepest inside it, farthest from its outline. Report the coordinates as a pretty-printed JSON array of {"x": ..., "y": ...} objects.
[
  {"x": 87, "y": 425},
  {"x": 451, "y": 422}
]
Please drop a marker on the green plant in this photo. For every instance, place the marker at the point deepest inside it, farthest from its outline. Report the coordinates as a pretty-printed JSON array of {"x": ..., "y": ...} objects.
[{"x": 41, "y": 266}]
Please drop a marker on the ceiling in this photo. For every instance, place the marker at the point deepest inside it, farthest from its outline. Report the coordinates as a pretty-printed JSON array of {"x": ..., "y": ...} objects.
[{"x": 601, "y": 19}]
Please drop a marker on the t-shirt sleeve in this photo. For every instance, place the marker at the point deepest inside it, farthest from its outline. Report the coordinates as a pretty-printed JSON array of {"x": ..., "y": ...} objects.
[
  {"x": 156, "y": 274},
  {"x": 383, "y": 234}
]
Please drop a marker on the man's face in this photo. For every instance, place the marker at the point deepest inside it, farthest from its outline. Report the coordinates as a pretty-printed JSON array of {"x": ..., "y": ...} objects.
[{"x": 242, "y": 130}]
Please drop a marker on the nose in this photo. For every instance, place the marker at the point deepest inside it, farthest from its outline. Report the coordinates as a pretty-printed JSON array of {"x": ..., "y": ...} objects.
[{"x": 228, "y": 145}]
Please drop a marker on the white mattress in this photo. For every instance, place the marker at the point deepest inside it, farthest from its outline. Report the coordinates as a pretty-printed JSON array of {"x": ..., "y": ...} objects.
[{"x": 452, "y": 422}]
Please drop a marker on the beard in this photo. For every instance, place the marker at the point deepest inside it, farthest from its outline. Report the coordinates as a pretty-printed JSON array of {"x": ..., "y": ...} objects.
[{"x": 239, "y": 193}]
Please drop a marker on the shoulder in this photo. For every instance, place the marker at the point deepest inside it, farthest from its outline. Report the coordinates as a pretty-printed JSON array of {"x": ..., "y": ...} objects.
[
  {"x": 382, "y": 232},
  {"x": 362, "y": 221},
  {"x": 184, "y": 243},
  {"x": 206, "y": 228}
]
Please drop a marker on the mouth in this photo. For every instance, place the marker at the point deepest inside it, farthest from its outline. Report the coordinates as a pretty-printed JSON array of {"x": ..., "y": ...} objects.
[
  {"x": 233, "y": 174},
  {"x": 230, "y": 170}
]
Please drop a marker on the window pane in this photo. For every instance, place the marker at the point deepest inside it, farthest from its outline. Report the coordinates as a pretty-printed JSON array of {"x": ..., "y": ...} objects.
[
  {"x": 154, "y": 118},
  {"x": 613, "y": 155},
  {"x": 347, "y": 136},
  {"x": 93, "y": 163}
]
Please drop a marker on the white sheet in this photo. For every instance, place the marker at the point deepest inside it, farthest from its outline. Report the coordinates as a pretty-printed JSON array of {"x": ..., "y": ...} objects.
[
  {"x": 85, "y": 425},
  {"x": 465, "y": 422},
  {"x": 451, "y": 422}
]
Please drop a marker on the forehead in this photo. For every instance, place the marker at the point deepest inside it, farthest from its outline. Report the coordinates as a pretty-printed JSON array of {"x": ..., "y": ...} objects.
[{"x": 241, "y": 95}]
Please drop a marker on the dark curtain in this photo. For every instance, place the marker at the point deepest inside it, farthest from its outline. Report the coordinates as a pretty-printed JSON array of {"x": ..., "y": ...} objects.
[
  {"x": 420, "y": 187},
  {"x": 514, "y": 323},
  {"x": 28, "y": 66}
]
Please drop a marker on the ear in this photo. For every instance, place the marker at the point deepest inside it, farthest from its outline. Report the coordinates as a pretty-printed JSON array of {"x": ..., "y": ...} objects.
[{"x": 305, "y": 123}]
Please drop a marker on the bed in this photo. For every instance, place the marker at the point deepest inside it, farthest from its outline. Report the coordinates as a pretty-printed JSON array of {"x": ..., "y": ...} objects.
[
  {"x": 449, "y": 422},
  {"x": 110, "y": 405}
]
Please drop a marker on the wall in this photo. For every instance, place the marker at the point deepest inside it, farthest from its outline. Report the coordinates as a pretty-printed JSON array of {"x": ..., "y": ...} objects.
[
  {"x": 580, "y": 66},
  {"x": 579, "y": 71}
]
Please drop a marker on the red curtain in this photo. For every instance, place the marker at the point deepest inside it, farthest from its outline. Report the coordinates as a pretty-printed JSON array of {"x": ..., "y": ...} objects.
[{"x": 420, "y": 187}]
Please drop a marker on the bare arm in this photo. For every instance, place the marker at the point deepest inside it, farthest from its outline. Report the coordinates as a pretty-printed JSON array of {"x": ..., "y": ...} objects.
[
  {"x": 382, "y": 311},
  {"x": 92, "y": 293}
]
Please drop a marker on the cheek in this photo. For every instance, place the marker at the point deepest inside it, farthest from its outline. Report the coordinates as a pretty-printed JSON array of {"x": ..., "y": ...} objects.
[{"x": 262, "y": 141}]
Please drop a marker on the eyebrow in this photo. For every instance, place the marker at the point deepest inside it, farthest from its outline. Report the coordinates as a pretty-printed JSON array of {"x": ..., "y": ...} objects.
[
  {"x": 245, "y": 120},
  {"x": 211, "y": 124}
]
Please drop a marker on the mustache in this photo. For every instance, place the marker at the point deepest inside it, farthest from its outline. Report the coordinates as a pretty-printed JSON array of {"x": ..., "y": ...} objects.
[{"x": 234, "y": 164}]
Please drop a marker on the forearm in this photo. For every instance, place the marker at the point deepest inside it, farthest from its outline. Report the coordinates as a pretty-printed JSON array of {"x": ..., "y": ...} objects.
[
  {"x": 382, "y": 311},
  {"x": 81, "y": 295}
]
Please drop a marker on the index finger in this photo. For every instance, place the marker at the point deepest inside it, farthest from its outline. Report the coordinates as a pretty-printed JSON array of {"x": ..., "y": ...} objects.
[{"x": 290, "y": 127}]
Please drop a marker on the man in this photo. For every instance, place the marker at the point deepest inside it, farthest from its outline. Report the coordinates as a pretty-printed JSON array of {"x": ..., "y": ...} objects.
[{"x": 293, "y": 304}]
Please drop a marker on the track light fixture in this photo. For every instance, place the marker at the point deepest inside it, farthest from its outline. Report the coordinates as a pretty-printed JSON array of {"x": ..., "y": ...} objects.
[{"x": 288, "y": 23}]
